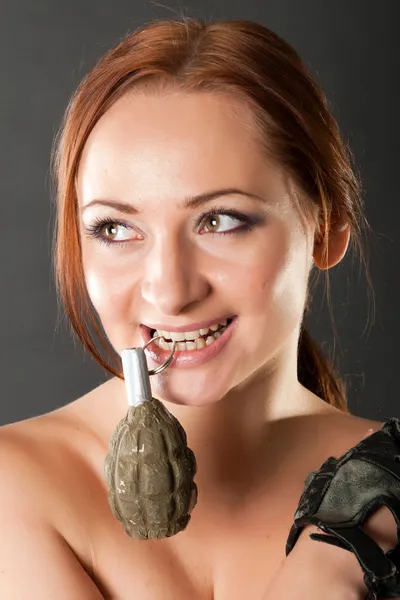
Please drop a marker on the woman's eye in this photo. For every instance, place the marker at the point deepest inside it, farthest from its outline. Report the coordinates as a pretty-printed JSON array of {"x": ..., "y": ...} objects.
[
  {"x": 218, "y": 223},
  {"x": 110, "y": 232},
  {"x": 113, "y": 232}
]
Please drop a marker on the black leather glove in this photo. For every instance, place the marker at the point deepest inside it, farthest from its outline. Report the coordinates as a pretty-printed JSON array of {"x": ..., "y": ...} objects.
[{"x": 341, "y": 496}]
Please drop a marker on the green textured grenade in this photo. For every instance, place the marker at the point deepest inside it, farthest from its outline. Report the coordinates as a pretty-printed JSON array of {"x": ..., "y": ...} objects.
[{"x": 149, "y": 468}]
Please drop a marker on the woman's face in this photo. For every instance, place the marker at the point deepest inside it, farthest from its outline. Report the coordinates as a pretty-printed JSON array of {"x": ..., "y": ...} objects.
[{"x": 162, "y": 260}]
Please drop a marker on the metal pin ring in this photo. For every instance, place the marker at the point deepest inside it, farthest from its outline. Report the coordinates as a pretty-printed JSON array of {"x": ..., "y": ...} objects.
[{"x": 167, "y": 362}]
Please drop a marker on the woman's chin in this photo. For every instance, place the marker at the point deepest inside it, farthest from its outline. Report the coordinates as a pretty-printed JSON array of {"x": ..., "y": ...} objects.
[{"x": 199, "y": 399}]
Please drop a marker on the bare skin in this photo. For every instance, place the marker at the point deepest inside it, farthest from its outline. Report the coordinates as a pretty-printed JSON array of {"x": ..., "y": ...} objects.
[
  {"x": 255, "y": 431},
  {"x": 233, "y": 547}
]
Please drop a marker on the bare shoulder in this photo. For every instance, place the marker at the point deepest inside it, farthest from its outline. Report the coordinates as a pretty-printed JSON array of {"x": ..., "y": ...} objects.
[
  {"x": 41, "y": 478},
  {"x": 353, "y": 427},
  {"x": 344, "y": 430},
  {"x": 30, "y": 449},
  {"x": 327, "y": 432},
  {"x": 356, "y": 428},
  {"x": 59, "y": 450},
  {"x": 57, "y": 457},
  {"x": 43, "y": 459}
]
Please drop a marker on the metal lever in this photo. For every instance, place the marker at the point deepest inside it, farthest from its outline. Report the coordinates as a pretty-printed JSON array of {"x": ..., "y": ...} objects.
[{"x": 137, "y": 373}]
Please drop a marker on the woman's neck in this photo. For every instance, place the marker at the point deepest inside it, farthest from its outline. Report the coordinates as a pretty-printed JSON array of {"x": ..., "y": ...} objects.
[
  {"x": 231, "y": 439},
  {"x": 237, "y": 441}
]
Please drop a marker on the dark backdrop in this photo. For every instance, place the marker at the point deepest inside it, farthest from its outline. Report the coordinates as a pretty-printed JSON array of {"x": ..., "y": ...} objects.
[{"x": 46, "y": 46}]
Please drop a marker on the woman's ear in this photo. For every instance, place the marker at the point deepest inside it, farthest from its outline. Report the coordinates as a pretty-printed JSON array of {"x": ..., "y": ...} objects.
[{"x": 338, "y": 241}]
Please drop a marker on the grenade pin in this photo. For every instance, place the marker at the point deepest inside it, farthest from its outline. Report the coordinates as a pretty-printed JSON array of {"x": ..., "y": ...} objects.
[{"x": 137, "y": 373}]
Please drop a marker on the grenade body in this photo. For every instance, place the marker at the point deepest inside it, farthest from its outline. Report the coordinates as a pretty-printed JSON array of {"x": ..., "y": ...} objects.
[{"x": 149, "y": 471}]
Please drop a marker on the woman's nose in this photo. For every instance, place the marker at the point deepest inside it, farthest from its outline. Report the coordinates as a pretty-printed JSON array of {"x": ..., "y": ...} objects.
[{"x": 171, "y": 279}]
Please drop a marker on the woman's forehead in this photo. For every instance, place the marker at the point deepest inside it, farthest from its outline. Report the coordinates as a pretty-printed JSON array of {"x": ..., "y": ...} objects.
[
  {"x": 148, "y": 126},
  {"x": 191, "y": 140}
]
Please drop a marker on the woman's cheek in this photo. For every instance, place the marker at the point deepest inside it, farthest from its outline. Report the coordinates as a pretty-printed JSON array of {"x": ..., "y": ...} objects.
[
  {"x": 278, "y": 292},
  {"x": 108, "y": 294}
]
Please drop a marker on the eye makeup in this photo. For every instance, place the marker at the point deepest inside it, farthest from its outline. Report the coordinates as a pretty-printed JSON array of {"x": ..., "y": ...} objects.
[{"x": 96, "y": 228}]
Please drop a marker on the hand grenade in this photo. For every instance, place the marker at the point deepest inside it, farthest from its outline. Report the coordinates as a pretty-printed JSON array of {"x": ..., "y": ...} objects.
[{"x": 149, "y": 468}]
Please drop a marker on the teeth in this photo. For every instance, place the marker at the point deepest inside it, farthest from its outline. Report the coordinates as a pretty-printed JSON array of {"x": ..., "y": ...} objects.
[
  {"x": 200, "y": 343},
  {"x": 197, "y": 344},
  {"x": 190, "y": 335},
  {"x": 162, "y": 343},
  {"x": 177, "y": 337},
  {"x": 191, "y": 346}
]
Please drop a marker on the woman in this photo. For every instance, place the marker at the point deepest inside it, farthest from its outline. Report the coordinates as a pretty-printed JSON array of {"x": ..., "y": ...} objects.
[{"x": 201, "y": 182}]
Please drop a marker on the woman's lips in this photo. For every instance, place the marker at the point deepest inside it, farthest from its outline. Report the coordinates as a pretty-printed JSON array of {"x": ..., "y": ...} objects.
[{"x": 188, "y": 358}]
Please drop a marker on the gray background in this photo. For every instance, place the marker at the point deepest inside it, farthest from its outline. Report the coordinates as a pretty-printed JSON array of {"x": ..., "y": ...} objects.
[{"x": 46, "y": 47}]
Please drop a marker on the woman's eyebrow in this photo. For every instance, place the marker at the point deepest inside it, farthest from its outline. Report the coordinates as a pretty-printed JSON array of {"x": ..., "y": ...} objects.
[{"x": 189, "y": 202}]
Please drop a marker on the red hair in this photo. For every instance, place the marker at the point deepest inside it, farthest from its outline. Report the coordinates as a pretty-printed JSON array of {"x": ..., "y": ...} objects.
[{"x": 294, "y": 123}]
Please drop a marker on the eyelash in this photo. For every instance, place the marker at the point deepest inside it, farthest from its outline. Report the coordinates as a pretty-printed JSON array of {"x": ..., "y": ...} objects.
[{"x": 94, "y": 229}]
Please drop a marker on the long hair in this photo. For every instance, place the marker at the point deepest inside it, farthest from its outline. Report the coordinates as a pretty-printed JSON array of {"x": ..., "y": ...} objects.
[{"x": 294, "y": 124}]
